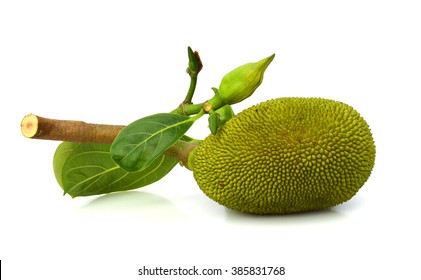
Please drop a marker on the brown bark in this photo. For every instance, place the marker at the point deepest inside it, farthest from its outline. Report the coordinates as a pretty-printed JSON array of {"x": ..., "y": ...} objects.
[{"x": 36, "y": 127}]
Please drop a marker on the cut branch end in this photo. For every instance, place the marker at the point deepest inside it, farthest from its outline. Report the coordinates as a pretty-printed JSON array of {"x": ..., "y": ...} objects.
[{"x": 29, "y": 125}]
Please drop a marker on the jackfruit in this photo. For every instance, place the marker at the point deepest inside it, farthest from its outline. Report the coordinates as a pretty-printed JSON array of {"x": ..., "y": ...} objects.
[{"x": 286, "y": 155}]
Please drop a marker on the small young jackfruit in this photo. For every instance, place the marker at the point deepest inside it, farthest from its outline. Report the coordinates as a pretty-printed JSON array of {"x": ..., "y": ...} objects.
[{"x": 286, "y": 155}]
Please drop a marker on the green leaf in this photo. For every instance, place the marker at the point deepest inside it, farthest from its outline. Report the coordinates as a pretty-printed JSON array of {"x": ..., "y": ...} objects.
[
  {"x": 219, "y": 117},
  {"x": 225, "y": 114},
  {"x": 84, "y": 169},
  {"x": 62, "y": 153},
  {"x": 143, "y": 141},
  {"x": 213, "y": 121}
]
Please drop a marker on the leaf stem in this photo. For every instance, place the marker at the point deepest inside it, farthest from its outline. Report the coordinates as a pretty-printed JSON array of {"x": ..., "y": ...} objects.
[
  {"x": 192, "y": 88},
  {"x": 195, "y": 65},
  {"x": 188, "y": 109}
]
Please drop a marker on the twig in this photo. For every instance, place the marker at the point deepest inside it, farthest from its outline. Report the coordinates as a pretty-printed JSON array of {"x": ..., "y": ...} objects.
[{"x": 36, "y": 127}]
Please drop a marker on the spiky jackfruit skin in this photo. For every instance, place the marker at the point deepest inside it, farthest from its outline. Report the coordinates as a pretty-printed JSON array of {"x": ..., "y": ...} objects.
[{"x": 286, "y": 155}]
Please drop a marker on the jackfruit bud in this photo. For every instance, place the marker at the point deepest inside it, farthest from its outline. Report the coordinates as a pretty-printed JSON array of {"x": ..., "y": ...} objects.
[{"x": 241, "y": 82}]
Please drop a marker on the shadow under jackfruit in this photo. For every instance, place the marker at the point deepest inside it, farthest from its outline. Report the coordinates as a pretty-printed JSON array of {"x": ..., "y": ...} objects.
[{"x": 286, "y": 155}]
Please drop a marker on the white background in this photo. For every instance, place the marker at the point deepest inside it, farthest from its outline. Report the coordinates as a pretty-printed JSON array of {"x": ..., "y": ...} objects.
[{"x": 117, "y": 61}]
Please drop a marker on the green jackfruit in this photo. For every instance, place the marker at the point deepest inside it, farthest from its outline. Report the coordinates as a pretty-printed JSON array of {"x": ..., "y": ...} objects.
[{"x": 286, "y": 155}]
